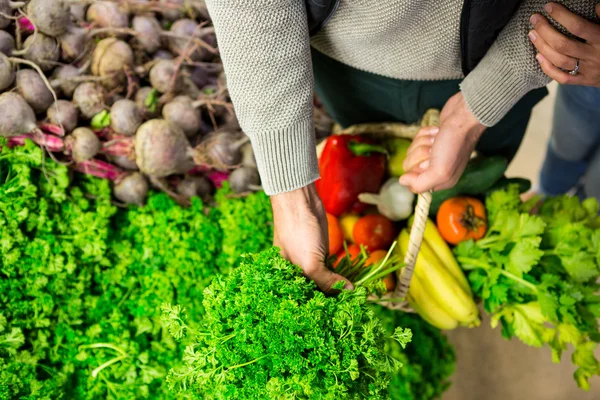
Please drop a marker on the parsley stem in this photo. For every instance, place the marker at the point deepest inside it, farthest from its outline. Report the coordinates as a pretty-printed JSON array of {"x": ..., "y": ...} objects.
[
  {"x": 115, "y": 360},
  {"x": 248, "y": 363},
  {"x": 388, "y": 300},
  {"x": 105, "y": 346}
]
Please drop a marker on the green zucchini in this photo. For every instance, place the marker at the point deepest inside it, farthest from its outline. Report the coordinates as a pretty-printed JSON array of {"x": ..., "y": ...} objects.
[
  {"x": 479, "y": 176},
  {"x": 503, "y": 183}
]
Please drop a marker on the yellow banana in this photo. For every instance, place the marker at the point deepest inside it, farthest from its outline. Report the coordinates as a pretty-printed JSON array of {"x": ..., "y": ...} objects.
[
  {"x": 441, "y": 285},
  {"x": 444, "y": 254},
  {"x": 427, "y": 307}
]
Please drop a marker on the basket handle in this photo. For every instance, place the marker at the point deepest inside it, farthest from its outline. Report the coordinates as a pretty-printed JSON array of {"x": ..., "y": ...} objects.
[
  {"x": 431, "y": 118},
  {"x": 414, "y": 245}
]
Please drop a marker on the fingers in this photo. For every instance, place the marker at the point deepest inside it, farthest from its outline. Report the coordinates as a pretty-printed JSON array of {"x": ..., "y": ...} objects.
[
  {"x": 429, "y": 179},
  {"x": 325, "y": 279},
  {"x": 574, "y": 23},
  {"x": 557, "y": 74},
  {"x": 559, "y": 60},
  {"x": 556, "y": 40},
  {"x": 420, "y": 149}
]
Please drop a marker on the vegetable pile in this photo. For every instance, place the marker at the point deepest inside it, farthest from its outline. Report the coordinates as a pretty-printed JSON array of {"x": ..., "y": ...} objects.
[
  {"x": 83, "y": 282},
  {"x": 131, "y": 91},
  {"x": 536, "y": 273}
]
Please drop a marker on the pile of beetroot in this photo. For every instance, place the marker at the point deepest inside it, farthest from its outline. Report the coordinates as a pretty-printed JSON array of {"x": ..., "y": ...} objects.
[{"x": 128, "y": 90}]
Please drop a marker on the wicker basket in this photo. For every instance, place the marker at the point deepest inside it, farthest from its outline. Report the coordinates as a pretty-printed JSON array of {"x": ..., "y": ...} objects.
[{"x": 386, "y": 130}]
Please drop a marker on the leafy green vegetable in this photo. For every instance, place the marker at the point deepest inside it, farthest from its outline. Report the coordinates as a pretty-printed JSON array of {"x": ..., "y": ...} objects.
[
  {"x": 537, "y": 274},
  {"x": 428, "y": 362},
  {"x": 269, "y": 333}
]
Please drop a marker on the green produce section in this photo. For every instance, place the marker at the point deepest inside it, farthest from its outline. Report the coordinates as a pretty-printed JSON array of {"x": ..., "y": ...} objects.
[{"x": 83, "y": 282}]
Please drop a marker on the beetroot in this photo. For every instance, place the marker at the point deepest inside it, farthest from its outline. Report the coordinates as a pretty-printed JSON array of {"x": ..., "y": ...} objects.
[
  {"x": 248, "y": 159},
  {"x": 33, "y": 89},
  {"x": 161, "y": 149},
  {"x": 221, "y": 150},
  {"x": 16, "y": 116},
  {"x": 42, "y": 50},
  {"x": 181, "y": 112},
  {"x": 149, "y": 31},
  {"x": 192, "y": 186},
  {"x": 131, "y": 189},
  {"x": 125, "y": 117},
  {"x": 51, "y": 17},
  {"x": 7, "y": 72},
  {"x": 64, "y": 113},
  {"x": 78, "y": 11},
  {"x": 83, "y": 144},
  {"x": 107, "y": 14},
  {"x": 90, "y": 98},
  {"x": 163, "y": 55},
  {"x": 171, "y": 9},
  {"x": 125, "y": 162},
  {"x": 62, "y": 79},
  {"x": 110, "y": 58},
  {"x": 72, "y": 44},
  {"x": 244, "y": 179},
  {"x": 5, "y": 8},
  {"x": 164, "y": 76},
  {"x": 7, "y": 43},
  {"x": 184, "y": 29}
]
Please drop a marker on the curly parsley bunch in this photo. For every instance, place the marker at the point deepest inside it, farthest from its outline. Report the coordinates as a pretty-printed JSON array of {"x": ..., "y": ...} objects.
[{"x": 268, "y": 333}]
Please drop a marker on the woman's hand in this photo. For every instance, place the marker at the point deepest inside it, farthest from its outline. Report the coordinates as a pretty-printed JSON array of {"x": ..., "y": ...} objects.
[
  {"x": 301, "y": 234},
  {"x": 437, "y": 157},
  {"x": 559, "y": 54}
]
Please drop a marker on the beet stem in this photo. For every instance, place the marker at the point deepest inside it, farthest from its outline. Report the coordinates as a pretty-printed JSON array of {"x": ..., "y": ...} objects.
[{"x": 100, "y": 169}]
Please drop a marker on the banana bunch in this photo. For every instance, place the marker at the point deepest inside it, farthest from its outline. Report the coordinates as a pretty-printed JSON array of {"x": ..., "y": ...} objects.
[{"x": 439, "y": 291}]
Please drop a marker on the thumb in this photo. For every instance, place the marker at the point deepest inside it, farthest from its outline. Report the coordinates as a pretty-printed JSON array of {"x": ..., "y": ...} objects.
[{"x": 325, "y": 279}]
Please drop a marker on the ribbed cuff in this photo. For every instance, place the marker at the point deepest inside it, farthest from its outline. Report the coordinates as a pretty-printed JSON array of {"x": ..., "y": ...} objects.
[
  {"x": 493, "y": 88},
  {"x": 286, "y": 159}
]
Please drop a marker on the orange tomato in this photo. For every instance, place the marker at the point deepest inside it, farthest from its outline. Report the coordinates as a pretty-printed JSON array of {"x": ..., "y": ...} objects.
[
  {"x": 353, "y": 252},
  {"x": 375, "y": 257},
  {"x": 375, "y": 232},
  {"x": 460, "y": 219},
  {"x": 336, "y": 236}
]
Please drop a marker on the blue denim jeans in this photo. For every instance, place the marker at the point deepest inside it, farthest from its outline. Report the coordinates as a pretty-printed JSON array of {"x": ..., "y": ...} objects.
[{"x": 573, "y": 156}]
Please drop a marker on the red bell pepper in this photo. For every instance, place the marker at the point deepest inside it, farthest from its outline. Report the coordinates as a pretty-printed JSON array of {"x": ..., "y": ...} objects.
[{"x": 349, "y": 165}]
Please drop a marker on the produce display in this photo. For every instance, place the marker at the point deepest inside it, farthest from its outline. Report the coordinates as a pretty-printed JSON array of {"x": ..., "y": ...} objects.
[
  {"x": 126, "y": 90},
  {"x": 136, "y": 257}
]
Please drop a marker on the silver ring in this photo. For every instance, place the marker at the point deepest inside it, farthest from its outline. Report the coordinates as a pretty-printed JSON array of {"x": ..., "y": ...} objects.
[{"x": 574, "y": 71}]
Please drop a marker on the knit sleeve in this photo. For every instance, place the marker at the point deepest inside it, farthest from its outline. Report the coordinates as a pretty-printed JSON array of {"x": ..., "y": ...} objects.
[
  {"x": 509, "y": 70},
  {"x": 265, "y": 48}
]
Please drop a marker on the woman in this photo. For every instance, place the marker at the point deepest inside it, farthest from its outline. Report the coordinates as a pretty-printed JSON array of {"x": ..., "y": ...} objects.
[
  {"x": 375, "y": 61},
  {"x": 572, "y": 161}
]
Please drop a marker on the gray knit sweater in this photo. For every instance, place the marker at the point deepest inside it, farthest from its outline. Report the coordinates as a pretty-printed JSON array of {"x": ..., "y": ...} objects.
[{"x": 265, "y": 49}]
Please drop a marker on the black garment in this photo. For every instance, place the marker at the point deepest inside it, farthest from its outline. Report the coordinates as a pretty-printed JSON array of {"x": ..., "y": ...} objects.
[{"x": 353, "y": 96}]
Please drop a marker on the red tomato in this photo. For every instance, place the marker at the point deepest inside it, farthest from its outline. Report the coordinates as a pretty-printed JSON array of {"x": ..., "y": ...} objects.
[
  {"x": 353, "y": 252},
  {"x": 375, "y": 232}
]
